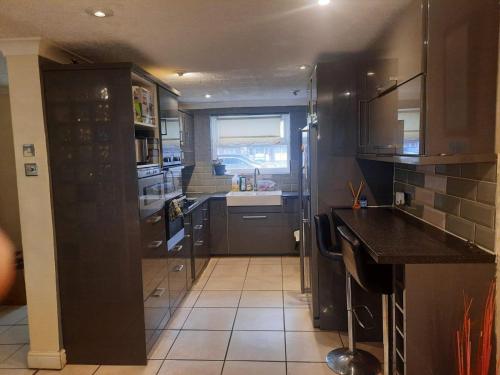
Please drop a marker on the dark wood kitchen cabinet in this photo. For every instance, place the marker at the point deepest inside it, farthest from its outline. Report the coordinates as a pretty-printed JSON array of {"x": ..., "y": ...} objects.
[
  {"x": 101, "y": 255},
  {"x": 259, "y": 230},
  {"x": 453, "y": 47},
  {"x": 200, "y": 219},
  {"x": 187, "y": 138},
  {"x": 218, "y": 227},
  {"x": 178, "y": 272}
]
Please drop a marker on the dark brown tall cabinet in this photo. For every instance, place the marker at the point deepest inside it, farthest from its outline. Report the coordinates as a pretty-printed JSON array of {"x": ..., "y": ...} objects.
[
  {"x": 427, "y": 85},
  {"x": 90, "y": 129}
]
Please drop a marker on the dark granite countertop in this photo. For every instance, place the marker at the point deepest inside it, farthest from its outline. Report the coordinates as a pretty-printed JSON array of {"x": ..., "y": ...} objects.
[
  {"x": 203, "y": 197},
  {"x": 393, "y": 237}
]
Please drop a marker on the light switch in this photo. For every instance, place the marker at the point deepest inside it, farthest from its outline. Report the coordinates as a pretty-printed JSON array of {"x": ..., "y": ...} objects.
[
  {"x": 400, "y": 198},
  {"x": 31, "y": 169},
  {"x": 29, "y": 150}
]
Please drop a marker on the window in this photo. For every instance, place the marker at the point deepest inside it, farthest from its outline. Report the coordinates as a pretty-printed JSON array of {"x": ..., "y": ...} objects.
[{"x": 248, "y": 142}]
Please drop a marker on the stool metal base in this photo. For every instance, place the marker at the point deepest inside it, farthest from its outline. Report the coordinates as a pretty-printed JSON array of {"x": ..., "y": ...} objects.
[{"x": 359, "y": 362}]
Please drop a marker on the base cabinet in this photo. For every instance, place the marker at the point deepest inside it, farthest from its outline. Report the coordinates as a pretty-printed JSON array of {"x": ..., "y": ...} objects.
[
  {"x": 218, "y": 227},
  {"x": 262, "y": 230}
]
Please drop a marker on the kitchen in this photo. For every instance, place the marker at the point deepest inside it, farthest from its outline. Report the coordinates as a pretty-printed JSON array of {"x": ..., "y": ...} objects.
[{"x": 201, "y": 228}]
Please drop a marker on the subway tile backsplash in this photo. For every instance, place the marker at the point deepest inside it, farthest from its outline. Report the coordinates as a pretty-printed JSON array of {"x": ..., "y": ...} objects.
[{"x": 458, "y": 198}]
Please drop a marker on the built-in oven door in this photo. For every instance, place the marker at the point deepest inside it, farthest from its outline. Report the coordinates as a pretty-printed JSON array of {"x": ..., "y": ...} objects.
[{"x": 151, "y": 195}]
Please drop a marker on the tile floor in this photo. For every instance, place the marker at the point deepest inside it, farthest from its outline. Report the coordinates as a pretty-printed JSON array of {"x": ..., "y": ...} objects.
[{"x": 244, "y": 316}]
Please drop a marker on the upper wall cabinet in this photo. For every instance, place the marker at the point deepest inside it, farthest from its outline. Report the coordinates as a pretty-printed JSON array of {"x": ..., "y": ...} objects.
[
  {"x": 461, "y": 76},
  {"x": 427, "y": 85}
]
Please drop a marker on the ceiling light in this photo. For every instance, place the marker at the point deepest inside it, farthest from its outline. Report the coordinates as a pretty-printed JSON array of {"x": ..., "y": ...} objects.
[
  {"x": 347, "y": 93},
  {"x": 303, "y": 67},
  {"x": 369, "y": 74},
  {"x": 99, "y": 13},
  {"x": 208, "y": 96},
  {"x": 323, "y": 2}
]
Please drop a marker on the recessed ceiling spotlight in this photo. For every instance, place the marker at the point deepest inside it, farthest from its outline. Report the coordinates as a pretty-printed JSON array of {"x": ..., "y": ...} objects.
[
  {"x": 347, "y": 93},
  {"x": 303, "y": 67},
  {"x": 369, "y": 74},
  {"x": 99, "y": 13},
  {"x": 208, "y": 96},
  {"x": 323, "y": 2}
]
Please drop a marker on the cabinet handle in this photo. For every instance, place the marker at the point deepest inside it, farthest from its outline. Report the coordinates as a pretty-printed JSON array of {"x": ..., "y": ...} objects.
[
  {"x": 198, "y": 243},
  {"x": 179, "y": 268},
  {"x": 154, "y": 219},
  {"x": 187, "y": 236},
  {"x": 155, "y": 244},
  {"x": 177, "y": 249},
  {"x": 205, "y": 219},
  {"x": 198, "y": 227},
  {"x": 254, "y": 217}
]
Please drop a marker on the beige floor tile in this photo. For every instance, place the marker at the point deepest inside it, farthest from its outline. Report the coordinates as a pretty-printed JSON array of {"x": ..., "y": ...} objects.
[
  {"x": 291, "y": 270},
  {"x": 229, "y": 271},
  {"x": 296, "y": 368},
  {"x": 291, "y": 283},
  {"x": 261, "y": 298},
  {"x": 294, "y": 260},
  {"x": 18, "y": 359},
  {"x": 310, "y": 346},
  {"x": 163, "y": 344},
  {"x": 7, "y": 350},
  {"x": 16, "y": 372},
  {"x": 257, "y": 346},
  {"x": 190, "y": 299},
  {"x": 265, "y": 260},
  {"x": 10, "y": 315},
  {"x": 225, "y": 283},
  {"x": 15, "y": 335},
  {"x": 200, "y": 283},
  {"x": 263, "y": 283},
  {"x": 200, "y": 345},
  {"x": 215, "y": 298},
  {"x": 211, "y": 318},
  {"x": 298, "y": 320},
  {"x": 233, "y": 261},
  {"x": 172, "y": 367},
  {"x": 295, "y": 299},
  {"x": 265, "y": 319},
  {"x": 254, "y": 368},
  {"x": 71, "y": 370},
  {"x": 178, "y": 318},
  {"x": 150, "y": 369},
  {"x": 264, "y": 270}
]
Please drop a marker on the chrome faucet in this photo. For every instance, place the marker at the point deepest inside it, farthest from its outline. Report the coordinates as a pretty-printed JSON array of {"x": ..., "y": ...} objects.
[{"x": 256, "y": 171}]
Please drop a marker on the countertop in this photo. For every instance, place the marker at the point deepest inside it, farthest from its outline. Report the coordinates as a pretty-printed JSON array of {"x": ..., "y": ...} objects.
[
  {"x": 203, "y": 197},
  {"x": 393, "y": 237}
]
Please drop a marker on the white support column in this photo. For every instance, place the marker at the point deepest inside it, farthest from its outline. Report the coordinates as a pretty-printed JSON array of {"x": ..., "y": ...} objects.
[{"x": 35, "y": 207}]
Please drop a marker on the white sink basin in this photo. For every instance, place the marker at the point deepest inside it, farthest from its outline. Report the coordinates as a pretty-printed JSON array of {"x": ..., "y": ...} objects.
[{"x": 254, "y": 198}]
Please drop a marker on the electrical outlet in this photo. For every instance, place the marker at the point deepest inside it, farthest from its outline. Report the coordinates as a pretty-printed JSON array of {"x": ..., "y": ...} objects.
[{"x": 400, "y": 198}]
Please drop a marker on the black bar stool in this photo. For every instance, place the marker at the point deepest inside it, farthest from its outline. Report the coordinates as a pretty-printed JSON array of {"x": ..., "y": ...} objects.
[{"x": 373, "y": 278}]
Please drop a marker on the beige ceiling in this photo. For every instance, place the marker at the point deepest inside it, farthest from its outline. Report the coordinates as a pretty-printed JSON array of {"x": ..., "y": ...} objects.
[{"x": 239, "y": 50}]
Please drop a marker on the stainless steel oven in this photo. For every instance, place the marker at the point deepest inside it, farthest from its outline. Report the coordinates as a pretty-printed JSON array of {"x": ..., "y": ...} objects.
[{"x": 151, "y": 190}]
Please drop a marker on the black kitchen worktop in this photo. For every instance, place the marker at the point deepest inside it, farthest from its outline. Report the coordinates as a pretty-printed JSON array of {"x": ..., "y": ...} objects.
[
  {"x": 203, "y": 197},
  {"x": 393, "y": 237}
]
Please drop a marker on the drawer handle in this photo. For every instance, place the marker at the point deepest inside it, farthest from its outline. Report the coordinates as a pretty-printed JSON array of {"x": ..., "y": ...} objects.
[
  {"x": 179, "y": 268},
  {"x": 205, "y": 219},
  {"x": 198, "y": 227},
  {"x": 155, "y": 244},
  {"x": 187, "y": 236},
  {"x": 154, "y": 219},
  {"x": 204, "y": 209},
  {"x": 255, "y": 217},
  {"x": 177, "y": 249},
  {"x": 198, "y": 243}
]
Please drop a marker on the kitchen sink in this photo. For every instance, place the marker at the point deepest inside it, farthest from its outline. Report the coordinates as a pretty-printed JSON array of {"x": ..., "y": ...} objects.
[{"x": 254, "y": 198}]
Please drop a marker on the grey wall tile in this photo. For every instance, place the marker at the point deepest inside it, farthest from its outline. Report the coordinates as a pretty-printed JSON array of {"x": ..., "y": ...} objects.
[
  {"x": 479, "y": 171},
  {"x": 417, "y": 179},
  {"x": 434, "y": 216},
  {"x": 486, "y": 192},
  {"x": 461, "y": 227},
  {"x": 401, "y": 175},
  {"x": 447, "y": 203},
  {"x": 478, "y": 212},
  {"x": 424, "y": 196},
  {"x": 415, "y": 209},
  {"x": 460, "y": 187},
  {"x": 437, "y": 183},
  {"x": 448, "y": 169},
  {"x": 485, "y": 237}
]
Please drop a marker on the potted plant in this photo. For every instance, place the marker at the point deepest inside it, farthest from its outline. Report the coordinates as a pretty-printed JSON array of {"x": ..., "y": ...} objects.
[{"x": 219, "y": 167}]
